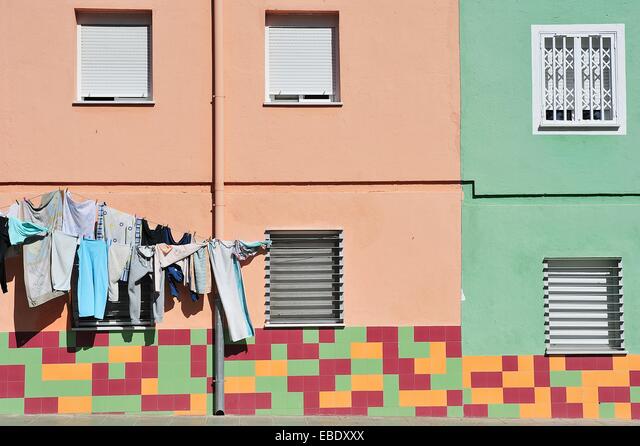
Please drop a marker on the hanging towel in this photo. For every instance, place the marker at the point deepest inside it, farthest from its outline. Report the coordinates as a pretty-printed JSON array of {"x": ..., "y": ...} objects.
[
  {"x": 142, "y": 266},
  {"x": 225, "y": 261},
  {"x": 19, "y": 230},
  {"x": 79, "y": 217},
  {"x": 93, "y": 278},
  {"x": 63, "y": 254},
  {"x": 37, "y": 255},
  {"x": 119, "y": 257}
]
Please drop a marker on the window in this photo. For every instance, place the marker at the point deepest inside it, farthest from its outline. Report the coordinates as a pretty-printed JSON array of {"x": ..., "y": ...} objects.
[
  {"x": 583, "y": 306},
  {"x": 114, "y": 57},
  {"x": 578, "y": 79},
  {"x": 304, "y": 273},
  {"x": 301, "y": 58}
]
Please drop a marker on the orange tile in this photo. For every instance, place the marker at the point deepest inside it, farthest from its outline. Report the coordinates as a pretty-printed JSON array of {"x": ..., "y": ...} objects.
[
  {"x": 240, "y": 384},
  {"x": 271, "y": 368},
  {"x": 574, "y": 394},
  {"x": 518, "y": 379},
  {"x": 590, "y": 395},
  {"x": 126, "y": 353},
  {"x": 482, "y": 363},
  {"x": 64, "y": 372},
  {"x": 623, "y": 411},
  {"x": 366, "y": 382},
  {"x": 487, "y": 396},
  {"x": 543, "y": 396},
  {"x": 416, "y": 398},
  {"x": 621, "y": 363},
  {"x": 436, "y": 363},
  {"x": 525, "y": 363},
  {"x": 633, "y": 362},
  {"x": 366, "y": 350},
  {"x": 556, "y": 363},
  {"x": 605, "y": 378},
  {"x": 590, "y": 410},
  {"x": 198, "y": 403},
  {"x": 535, "y": 410},
  {"x": 74, "y": 404},
  {"x": 149, "y": 386},
  {"x": 335, "y": 399}
]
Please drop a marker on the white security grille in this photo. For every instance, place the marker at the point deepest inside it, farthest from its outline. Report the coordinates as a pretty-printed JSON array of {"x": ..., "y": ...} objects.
[
  {"x": 114, "y": 61},
  {"x": 583, "y": 305},
  {"x": 304, "y": 273}
]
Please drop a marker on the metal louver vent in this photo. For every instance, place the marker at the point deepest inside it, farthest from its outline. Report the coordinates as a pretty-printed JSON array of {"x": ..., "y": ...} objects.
[
  {"x": 583, "y": 306},
  {"x": 304, "y": 278}
]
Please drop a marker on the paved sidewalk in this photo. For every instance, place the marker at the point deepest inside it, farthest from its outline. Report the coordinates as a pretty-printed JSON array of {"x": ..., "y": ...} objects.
[{"x": 229, "y": 420}]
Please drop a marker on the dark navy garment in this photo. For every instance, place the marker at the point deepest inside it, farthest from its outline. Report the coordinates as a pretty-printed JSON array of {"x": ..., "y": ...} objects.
[
  {"x": 174, "y": 274},
  {"x": 150, "y": 237},
  {"x": 4, "y": 246}
]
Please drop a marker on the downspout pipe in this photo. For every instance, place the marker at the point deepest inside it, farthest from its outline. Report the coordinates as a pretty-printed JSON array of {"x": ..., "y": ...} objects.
[{"x": 218, "y": 199}]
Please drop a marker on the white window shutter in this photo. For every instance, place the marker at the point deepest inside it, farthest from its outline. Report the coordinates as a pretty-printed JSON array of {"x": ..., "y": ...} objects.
[
  {"x": 301, "y": 61},
  {"x": 114, "y": 61}
]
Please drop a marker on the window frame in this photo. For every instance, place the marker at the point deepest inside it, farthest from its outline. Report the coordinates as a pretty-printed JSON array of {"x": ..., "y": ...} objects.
[
  {"x": 121, "y": 18},
  {"x": 580, "y": 127},
  {"x": 316, "y": 19},
  {"x": 339, "y": 322}
]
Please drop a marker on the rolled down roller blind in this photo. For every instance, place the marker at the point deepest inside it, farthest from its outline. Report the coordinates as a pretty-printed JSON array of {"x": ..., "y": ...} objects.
[
  {"x": 583, "y": 305},
  {"x": 303, "y": 272},
  {"x": 114, "y": 61},
  {"x": 301, "y": 61}
]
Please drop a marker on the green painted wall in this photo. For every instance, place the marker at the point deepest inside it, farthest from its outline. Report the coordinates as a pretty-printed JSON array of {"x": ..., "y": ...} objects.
[
  {"x": 498, "y": 148},
  {"x": 503, "y": 244}
]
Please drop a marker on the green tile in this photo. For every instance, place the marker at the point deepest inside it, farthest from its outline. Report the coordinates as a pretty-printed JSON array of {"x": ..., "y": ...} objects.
[
  {"x": 4, "y": 341},
  {"x": 335, "y": 350},
  {"x": 198, "y": 336},
  {"x": 120, "y": 403},
  {"x": 65, "y": 339},
  {"x": 263, "y": 412},
  {"x": 209, "y": 404},
  {"x": 452, "y": 379},
  {"x": 607, "y": 410},
  {"x": 366, "y": 366},
  {"x": 310, "y": 336},
  {"x": 391, "y": 386},
  {"x": 12, "y": 406},
  {"x": 174, "y": 353},
  {"x": 92, "y": 355},
  {"x": 116, "y": 370},
  {"x": 343, "y": 382},
  {"x": 350, "y": 334},
  {"x": 278, "y": 351},
  {"x": 635, "y": 394},
  {"x": 295, "y": 400},
  {"x": 303, "y": 367},
  {"x": 240, "y": 368},
  {"x": 271, "y": 384},
  {"x": 466, "y": 396},
  {"x": 566, "y": 379},
  {"x": 174, "y": 369},
  {"x": 210, "y": 360},
  {"x": 25, "y": 356},
  {"x": 36, "y": 388},
  {"x": 504, "y": 411},
  {"x": 455, "y": 411},
  {"x": 197, "y": 385}
]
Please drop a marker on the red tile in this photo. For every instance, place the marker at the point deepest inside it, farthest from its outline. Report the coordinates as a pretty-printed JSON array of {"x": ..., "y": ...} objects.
[
  {"x": 359, "y": 399},
  {"x": 279, "y": 336},
  {"x": 15, "y": 373},
  {"x": 326, "y": 335},
  {"x": 50, "y": 339},
  {"x": 101, "y": 340},
  {"x": 405, "y": 381},
  {"x": 559, "y": 410},
  {"x": 133, "y": 370},
  {"x": 311, "y": 383},
  {"x": 476, "y": 410},
  {"x": 623, "y": 394},
  {"x": 541, "y": 379},
  {"x": 198, "y": 353},
  {"x": 431, "y": 411},
  {"x": 100, "y": 387},
  {"x": 262, "y": 351},
  {"x": 509, "y": 363},
  {"x": 390, "y": 365},
  {"x": 3, "y": 373},
  {"x": 15, "y": 389},
  {"x": 327, "y": 367},
  {"x": 422, "y": 382},
  {"x": 165, "y": 402},
  {"x": 540, "y": 364},
  {"x": 263, "y": 336},
  {"x": 198, "y": 369},
  {"x": 182, "y": 337},
  {"x": 263, "y": 400},
  {"x": 210, "y": 385},
  {"x": 390, "y": 334},
  {"x": 589, "y": 362},
  {"x": 99, "y": 371},
  {"x": 3, "y": 389},
  {"x": 453, "y": 333},
  {"x": 634, "y": 378},
  {"x": 149, "y": 403},
  {"x": 327, "y": 383},
  {"x": 311, "y": 411},
  {"x": 454, "y": 349},
  {"x": 32, "y": 406},
  {"x": 375, "y": 334},
  {"x": 486, "y": 379},
  {"x": 405, "y": 365},
  {"x": 242, "y": 412},
  {"x": 312, "y": 351},
  {"x": 614, "y": 394},
  {"x": 311, "y": 400},
  {"x": 117, "y": 387},
  {"x": 375, "y": 399},
  {"x": 65, "y": 356},
  {"x": 454, "y": 398},
  {"x": 343, "y": 366},
  {"x": 421, "y": 334},
  {"x": 242, "y": 400},
  {"x": 149, "y": 370},
  {"x": 635, "y": 411},
  {"x": 574, "y": 410},
  {"x": 437, "y": 334},
  {"x": 49, "y": 405},
  {"x": 523, "y": 395},
  {"x": 209, "y": 336},
  {"x": 132, "y": 386},
  {"x": 150, "y": 353},
  {"x": 604, "y": 362},
  {"x": 50, "y": 356},
  {"x": 295, "y": 383},
  {"x": 295, "y": 336},
  {"x": 558, "y": 395},
  {"x": 182, "y": 402},
  {"x": 165, "y": 337}
]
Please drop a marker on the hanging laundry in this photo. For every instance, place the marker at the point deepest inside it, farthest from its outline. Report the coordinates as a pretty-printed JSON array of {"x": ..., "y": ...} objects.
[
  {"x": 13, "y": 211},
  {"x": 19, "y": 230},
  {"x": 150, "y": 237},
  {"x": 63, "y": 254},
  {"x": 175, "y": 273},
  {"x": 167, "y": 255},
  {"x": 93, "y": 278},
  {"x": 79, "y": 217},
  {"x": 119, "y": 257},
  {"x": 142, "y": 266},
  {"x": 225, "y": 261},
  {"x": 5, "y": 243},
  {"x": 37, "y": 255},
  {"x": 200, "y": 271},
  {"x": 114, "y": 225}
]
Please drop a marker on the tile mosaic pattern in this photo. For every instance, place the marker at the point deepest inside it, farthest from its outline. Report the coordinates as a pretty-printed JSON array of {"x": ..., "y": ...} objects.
[{"x": 402, "y": 371}]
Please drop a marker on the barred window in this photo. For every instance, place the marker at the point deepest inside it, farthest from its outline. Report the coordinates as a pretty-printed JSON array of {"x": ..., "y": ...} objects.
[{"x": 578, "y": 78}]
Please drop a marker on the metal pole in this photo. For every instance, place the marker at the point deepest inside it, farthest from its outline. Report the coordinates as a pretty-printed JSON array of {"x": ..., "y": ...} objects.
[{"x": 219, "y": 358}]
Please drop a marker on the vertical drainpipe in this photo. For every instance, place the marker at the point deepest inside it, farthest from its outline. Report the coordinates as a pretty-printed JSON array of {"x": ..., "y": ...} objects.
[{"x": 218, "y": 159}]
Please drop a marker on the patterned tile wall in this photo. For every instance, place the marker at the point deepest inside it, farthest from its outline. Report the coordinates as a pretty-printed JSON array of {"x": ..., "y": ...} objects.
[{"x": 377, "y": 371}]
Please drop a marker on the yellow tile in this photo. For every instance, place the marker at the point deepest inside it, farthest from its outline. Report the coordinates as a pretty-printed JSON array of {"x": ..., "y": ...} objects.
[
  {"x": 482, "y": 363},
  {"x": 574, "y": 394},
  {"x": 590, "y": 395},
  {"x": 149, "y": 386},
  {"x": 623, "y": 411},
  {"x": 126, "y": 353},
  {"x": 240, "y": 384},
  {"x": 271, "y": 368},
  {"x": 416, "y": 398},
  {"x": 525, "y": 363},
  {"x": 556, "y": 363},
  {"x": 74, "y": 404},
  {"x": 543, "y": 396},
  {"x": 518, "y": 379},
  {"x": 633, "y": 362},
  {"x": 366, "y": 382},
  {"x": 605, "y": 378},
  {"x": 535, "y": 411},
  {"x": 64, "y": 372},
  {"x": 335, "y": 399},
  {"x": 198, "y": 403},
  {"x": 590, "y": 410},
  {"x": 366, "y": 350},
  {"x": 621, "y": 363},
  {"x": 486, "y": 396}
]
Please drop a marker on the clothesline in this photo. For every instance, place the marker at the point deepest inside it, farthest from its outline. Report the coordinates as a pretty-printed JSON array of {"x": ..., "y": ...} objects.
[{"x": 151, "y": 222}]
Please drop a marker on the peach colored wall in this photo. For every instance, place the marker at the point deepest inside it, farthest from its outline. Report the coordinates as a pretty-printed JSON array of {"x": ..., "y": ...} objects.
[
  {"x": 401, "y": 246},
  {"x": 399, "y": 76},
  {"x": 45, "y": 138}
]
